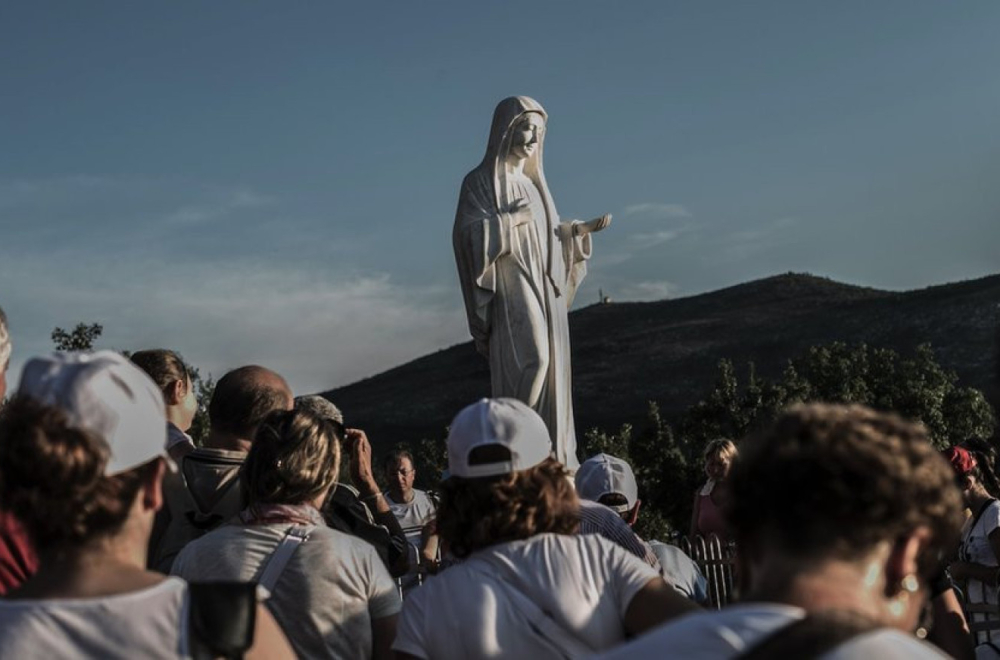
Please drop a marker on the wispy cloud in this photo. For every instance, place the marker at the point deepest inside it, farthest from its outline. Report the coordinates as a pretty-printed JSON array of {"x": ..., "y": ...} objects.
[
  {"x": 225, "y": 203},
  {"x": 654, "y": 238},
  {"x": 656, "y": 210},
  {"x": 318, "y": 329},
  {"x": 151, "y": 261},
  {"x": 649, "y": 290}
]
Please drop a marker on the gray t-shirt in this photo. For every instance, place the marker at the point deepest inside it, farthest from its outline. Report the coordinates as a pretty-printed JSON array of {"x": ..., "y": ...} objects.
[
  {"x": 327, "y": 596},
  {"x": 149, "y": 623}
]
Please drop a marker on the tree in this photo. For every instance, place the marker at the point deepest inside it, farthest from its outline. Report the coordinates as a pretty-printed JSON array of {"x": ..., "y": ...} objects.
[
  {"x": 204, "y": 388},
  {"x": 80, "y": 338},
  {"x": 668, "y": 466}
]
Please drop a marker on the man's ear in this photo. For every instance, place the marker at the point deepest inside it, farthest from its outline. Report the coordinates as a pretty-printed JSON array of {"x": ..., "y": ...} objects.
[
  {"x": 633, "y": 515},
  {"x": 176, "y": 392},
  {"x": 904, "y": 559},
  {"x": 152, "y": 488}
]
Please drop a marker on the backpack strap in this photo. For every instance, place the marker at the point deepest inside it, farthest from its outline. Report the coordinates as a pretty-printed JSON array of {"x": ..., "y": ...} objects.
[
  {"x": 811, "y": 637},
  {"x": 221, "y": 619},
  {"x": 275, "y": 566}
]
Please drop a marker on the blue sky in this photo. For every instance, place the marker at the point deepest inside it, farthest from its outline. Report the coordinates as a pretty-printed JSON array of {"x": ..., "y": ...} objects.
[{"x": 276, "y": 182}]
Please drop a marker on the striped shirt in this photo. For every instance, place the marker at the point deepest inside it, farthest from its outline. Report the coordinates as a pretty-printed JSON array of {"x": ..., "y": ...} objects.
[{"x": 598, "y": 519}]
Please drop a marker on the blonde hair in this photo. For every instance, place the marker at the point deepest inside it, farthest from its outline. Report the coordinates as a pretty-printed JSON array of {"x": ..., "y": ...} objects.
[
  {"x": 294, "y": 458},
  {"x": 722, "y": 447}
]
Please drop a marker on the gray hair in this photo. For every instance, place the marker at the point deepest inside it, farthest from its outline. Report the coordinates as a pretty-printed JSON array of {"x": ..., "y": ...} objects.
[
  {"x": 4, "y": 341},
  {"x": 320, "y": 407}
]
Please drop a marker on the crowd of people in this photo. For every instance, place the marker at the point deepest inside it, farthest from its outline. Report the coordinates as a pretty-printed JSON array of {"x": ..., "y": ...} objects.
[{"x": 120, "y": 537}]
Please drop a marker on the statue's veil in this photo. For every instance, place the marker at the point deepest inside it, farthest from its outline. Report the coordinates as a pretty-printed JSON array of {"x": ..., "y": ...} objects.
[{"x": 507, "y": 112}]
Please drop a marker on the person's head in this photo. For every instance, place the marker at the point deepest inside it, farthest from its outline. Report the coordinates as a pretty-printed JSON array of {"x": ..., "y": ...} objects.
[
  {"x": 243, "y": 398},
  {"x": 610, "y": 481},
  {"x": 397, "y": 466},
  {"x": 170, "y": 374},
  {"x": 845, "y": 487},
  {"x": 973, "y": 474},
  {"x": 321, "y": 407},
  {"x": 719, "y": 456},
  {"x": 503, "y": 484},
  {"x": 82, "y": 450},
  {"x": 294, "y": 459},
  {"x": 526, "y": 136},
  {"x": 5, "y": 349}
]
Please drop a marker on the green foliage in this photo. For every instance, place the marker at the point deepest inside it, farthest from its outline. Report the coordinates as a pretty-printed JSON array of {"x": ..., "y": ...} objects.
[
  {"x": 80, "y": 338},
  {"x": 431, "y": 456},
  {"x": 668, "y": 467},
  {"x": 661, "y": 469},
  {"x": 203, "y": 390}
]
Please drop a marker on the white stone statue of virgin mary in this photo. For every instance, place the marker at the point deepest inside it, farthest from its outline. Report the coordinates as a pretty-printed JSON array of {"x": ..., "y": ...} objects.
[{"x": 520, "y": 266}]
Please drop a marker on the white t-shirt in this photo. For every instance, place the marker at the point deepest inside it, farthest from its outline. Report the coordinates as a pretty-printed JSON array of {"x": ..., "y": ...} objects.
[
  {"x": 328, "y": 594},
  {"x": 730, "y": 632},
  {"x": 976, "y": 548},
  {"x": 412, "y": 515},
  {"x": 584, "y": 582},
  {"x": 150, "y": 623}
]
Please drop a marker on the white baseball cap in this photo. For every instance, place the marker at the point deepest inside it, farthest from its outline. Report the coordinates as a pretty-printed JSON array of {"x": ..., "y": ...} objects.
[
  {"x": 605, "y": 475},
  {"x": 106, "y": 394},
  {"x": 508, "y": 423}
]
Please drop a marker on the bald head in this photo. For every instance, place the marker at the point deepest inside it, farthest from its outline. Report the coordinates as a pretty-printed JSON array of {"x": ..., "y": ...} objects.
[{"x": 243, "y": 398}]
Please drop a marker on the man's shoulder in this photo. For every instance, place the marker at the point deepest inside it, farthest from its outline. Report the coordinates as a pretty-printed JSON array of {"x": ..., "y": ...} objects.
[
  {"x": 423, "y": 498},
  {"x": 718, "y": 634},
  {"x": 885, "y": 644}
]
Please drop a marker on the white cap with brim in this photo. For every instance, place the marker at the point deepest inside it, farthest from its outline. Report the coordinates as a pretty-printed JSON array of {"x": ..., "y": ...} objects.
[
  {"x": 507, "y": 423},
  {"x": 106, "y": 394},
  {"x": 602, "y": 475}
]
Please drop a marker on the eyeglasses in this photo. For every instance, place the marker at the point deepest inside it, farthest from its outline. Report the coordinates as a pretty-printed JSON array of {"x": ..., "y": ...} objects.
[{"x": 402, "y": 471}]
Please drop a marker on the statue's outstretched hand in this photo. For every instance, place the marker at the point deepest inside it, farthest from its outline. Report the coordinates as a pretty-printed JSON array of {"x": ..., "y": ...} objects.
[{"x": 597, "y": 224}]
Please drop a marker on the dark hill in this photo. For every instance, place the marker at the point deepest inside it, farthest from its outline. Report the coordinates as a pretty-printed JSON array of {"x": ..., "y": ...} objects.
[{"x": 625, "y": 354}]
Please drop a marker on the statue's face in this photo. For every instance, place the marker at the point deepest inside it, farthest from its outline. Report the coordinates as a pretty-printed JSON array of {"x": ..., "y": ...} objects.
[{"x": 526, "y": 135}]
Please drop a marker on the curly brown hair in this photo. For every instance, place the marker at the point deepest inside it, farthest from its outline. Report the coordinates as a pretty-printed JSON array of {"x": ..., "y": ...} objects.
[
  {"x": 52, "y": 477},
  {"x": 294, "y": 458},
  {"x": 834, "y": 481},
  {"x": 476, "y": 513}
]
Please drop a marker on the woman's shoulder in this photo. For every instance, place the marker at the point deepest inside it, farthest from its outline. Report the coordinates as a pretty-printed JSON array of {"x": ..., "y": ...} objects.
[{"x": 991, "y": 515}]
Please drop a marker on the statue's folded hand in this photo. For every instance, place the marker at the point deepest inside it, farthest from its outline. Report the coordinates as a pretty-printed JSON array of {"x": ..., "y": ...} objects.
[{"x": 518, "y": 210}]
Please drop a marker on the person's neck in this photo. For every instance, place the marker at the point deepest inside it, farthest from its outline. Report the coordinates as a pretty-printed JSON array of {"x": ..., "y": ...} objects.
[
  {"x": 176, "y": 417},
  {"x": 227, "y": 441},
  {"x": 821, "y": 586},
  {"x": 402, "y": 498},
  {"x": 978, "y": 499},
  {"x": 515, "y": 166},
  {"x": 100, "y": 567}
]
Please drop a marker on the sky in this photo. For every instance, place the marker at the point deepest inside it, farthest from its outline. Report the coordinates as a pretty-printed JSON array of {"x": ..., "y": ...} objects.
[{"x": 275, "y": 183}]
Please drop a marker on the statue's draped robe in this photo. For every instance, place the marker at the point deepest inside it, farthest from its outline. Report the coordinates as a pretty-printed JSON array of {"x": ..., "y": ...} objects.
[{"x": 518, "y": 282}]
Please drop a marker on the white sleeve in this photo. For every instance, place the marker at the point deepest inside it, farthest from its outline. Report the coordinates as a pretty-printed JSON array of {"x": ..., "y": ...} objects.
[{"x": 627, "y": 573}]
